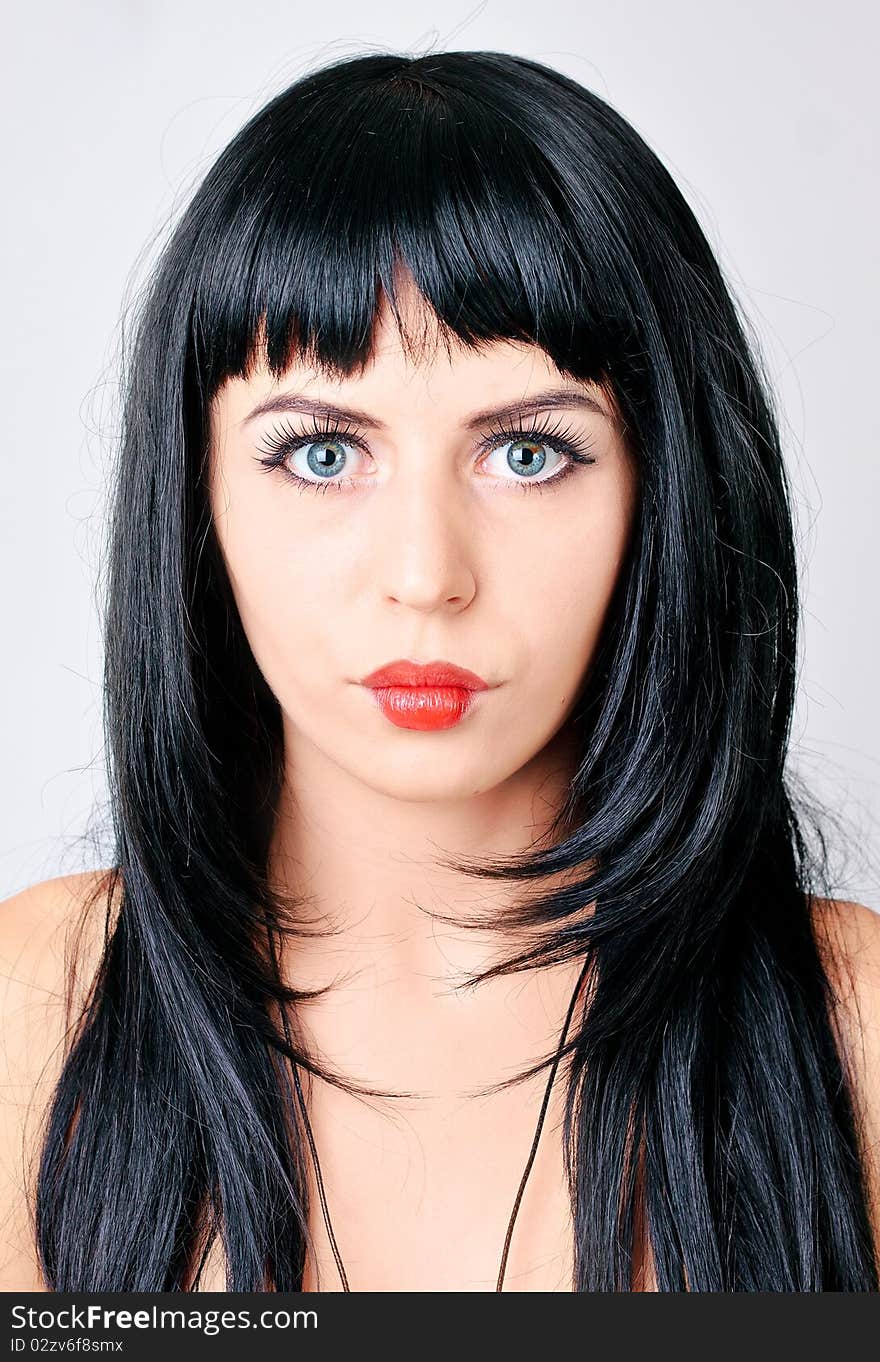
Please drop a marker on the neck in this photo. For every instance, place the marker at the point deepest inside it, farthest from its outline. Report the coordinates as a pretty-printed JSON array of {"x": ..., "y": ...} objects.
[{"x": 367, "y": 865}]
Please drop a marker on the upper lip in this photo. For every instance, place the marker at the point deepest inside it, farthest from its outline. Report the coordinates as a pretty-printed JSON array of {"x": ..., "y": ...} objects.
[{"x": 404, "y": 672}]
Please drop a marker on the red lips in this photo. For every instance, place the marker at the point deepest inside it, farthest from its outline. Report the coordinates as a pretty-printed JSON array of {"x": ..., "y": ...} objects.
[
  {"x": 406, "y": 673},
  {"x": 424, "y": 696}
]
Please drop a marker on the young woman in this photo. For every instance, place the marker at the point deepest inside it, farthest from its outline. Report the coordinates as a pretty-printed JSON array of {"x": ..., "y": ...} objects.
[{"x": 462, "y": 933}]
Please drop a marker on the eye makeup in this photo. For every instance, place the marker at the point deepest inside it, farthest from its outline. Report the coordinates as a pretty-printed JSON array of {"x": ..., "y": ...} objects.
[{"x": 285, "y": 441}]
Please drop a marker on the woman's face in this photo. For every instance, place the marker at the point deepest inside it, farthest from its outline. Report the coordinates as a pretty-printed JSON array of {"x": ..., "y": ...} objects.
[{"x": 424, "y": 530}]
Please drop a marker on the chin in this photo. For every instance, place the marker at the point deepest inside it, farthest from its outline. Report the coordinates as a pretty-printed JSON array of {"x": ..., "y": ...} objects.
[{"x": 419, "y": 781}]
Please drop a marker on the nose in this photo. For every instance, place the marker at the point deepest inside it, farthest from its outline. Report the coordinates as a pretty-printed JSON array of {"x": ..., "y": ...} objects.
[{"x": 426, "y": 542}]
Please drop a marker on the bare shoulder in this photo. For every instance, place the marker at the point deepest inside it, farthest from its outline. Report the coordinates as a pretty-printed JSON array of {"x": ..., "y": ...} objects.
[
  {"x": 849, "y": 934},
  {"x": 849, "y": 938},
  {"x": 51, "y": 942}
]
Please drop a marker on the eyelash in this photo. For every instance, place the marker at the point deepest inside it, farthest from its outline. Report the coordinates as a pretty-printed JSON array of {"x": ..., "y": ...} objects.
[{"x": 561, "y": 439}]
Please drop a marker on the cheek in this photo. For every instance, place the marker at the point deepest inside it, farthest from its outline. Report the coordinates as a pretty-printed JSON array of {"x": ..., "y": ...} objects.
[
  {"x": 566, "y": 585},
  {"x": 279, "y": 589}
]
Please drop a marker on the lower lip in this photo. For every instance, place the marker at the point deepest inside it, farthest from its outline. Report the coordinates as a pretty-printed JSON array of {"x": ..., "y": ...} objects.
[{"x": 425, "y": 708}]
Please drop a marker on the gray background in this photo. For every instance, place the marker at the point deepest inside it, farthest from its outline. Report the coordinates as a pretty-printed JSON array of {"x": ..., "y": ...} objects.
[{"x": 764, "y": 112}]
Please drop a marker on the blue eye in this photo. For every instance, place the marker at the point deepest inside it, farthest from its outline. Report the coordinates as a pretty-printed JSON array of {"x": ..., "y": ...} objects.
[
  {"x": 526, "y": 456},
  {"x": 323, "y": 463},
  {"x": 325, "y": 456}
]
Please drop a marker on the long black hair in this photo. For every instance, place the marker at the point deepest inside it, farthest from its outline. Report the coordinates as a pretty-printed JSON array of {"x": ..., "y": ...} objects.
[{"x": 525, "y": 208}]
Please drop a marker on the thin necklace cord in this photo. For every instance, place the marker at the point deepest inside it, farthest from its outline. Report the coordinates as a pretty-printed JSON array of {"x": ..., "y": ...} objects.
[
  {"x": 299, "y": 1092},
  {"x": 321, "y": 1193},
  {"x": 526, "y": 1171},
  {"x": 534, "y": 1149}
]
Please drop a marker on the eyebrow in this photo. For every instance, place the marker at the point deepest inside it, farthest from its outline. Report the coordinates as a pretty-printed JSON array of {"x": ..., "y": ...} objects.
[{"x": 553, "y": 398}]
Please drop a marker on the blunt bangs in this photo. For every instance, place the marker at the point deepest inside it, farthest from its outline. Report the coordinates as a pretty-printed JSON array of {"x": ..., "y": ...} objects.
[{"x": 403, "y": 177}]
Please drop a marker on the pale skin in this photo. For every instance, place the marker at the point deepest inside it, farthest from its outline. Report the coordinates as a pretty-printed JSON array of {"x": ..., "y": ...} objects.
[
  {"x": 432, "y": 551},
  {"x": 433, "y": 554}
]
